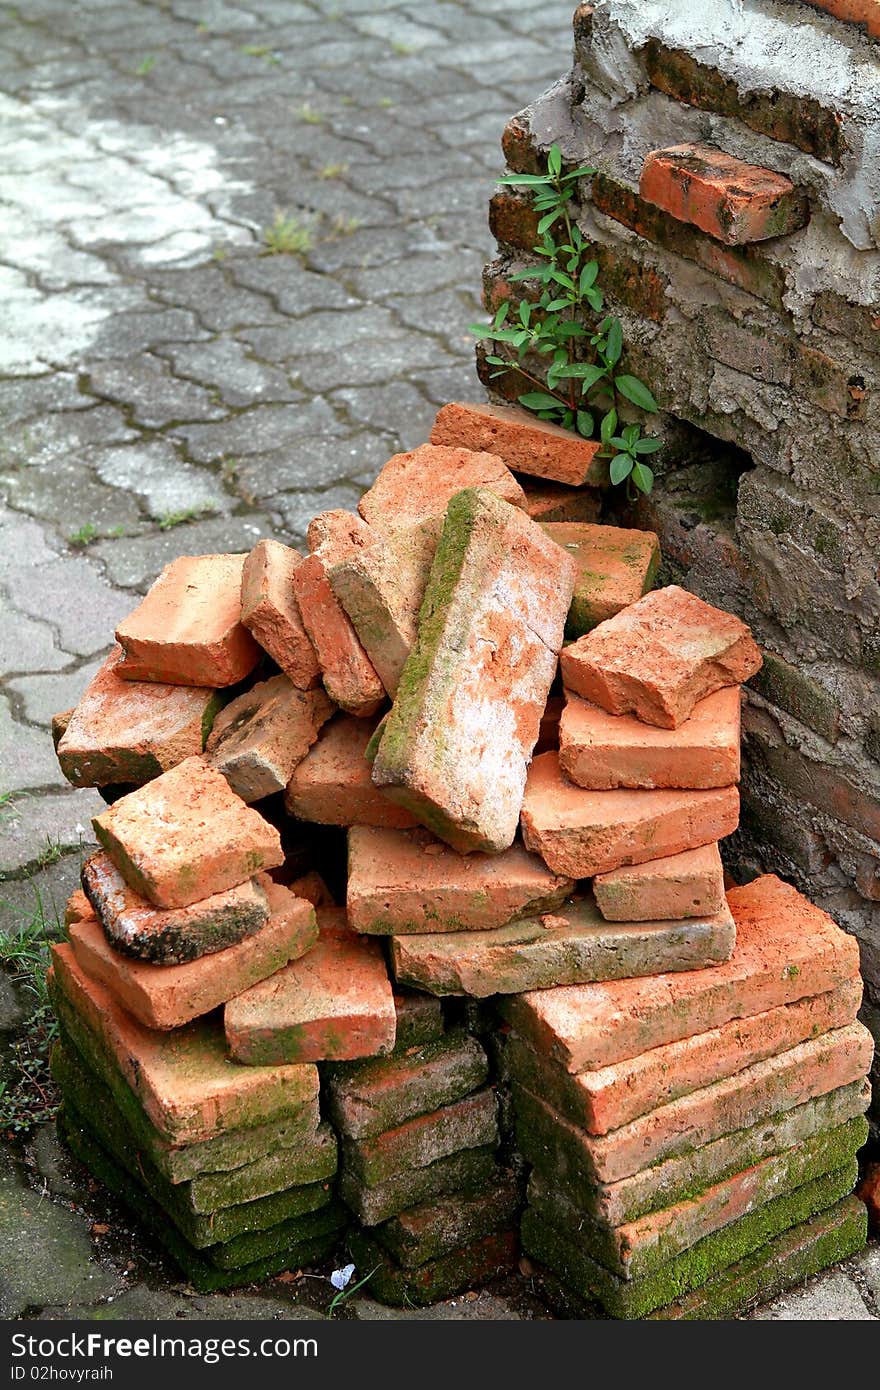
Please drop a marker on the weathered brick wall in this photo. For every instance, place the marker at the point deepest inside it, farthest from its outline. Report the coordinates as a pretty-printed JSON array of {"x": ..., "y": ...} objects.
[{"x": 766, "y": 359}]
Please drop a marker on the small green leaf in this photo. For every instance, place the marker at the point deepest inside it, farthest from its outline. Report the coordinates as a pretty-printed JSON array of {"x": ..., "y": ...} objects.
[
  {"x": 568, "y": 419},
  {"x": 548, "y": 220},
  {"x": 554, "y": 160},
  {"x": 562, "y": 279},
  {"x": 643, "y": 477},
  {"x": 496, "y": 361},
  {"x": 583, "y": 371},
  {"x": 525, "y": 180},
  {"x": 482, "y": 330},
  {"x": 608, "y": 426},
  {"x": 588, "y": 275},
  {"x": 595, "y": 299},
  {"x": 555, "y": 305},
  {"x": 539, "y": 400},
  {"x": 636, "y": 391},
  {"x": 525, "y": 313},
  {"x": 585, "y": 423},
  {"x": 615, "y": 344},
  {"x": 621, "y": 467},
  {"x": 631, "y": 434},
  {"x": 650, "y": 445},
  {"x": 502, "y": 313},
  {"x": 584, "y": 172}
]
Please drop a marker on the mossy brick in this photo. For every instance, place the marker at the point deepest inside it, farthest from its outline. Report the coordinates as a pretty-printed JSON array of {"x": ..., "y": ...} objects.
[
  {"x": 366, "y": 1098},
  {"x": 797, "y": 693},
  {"x": 130, "y": 731},
  {"x": 417, "y": 486},
  {"x": 633, "y": 283},
  {"x": 554, "y": 1147},
  {"x": 660, "y": 656},
  {"x": 555, "y": 502},
  {"x": 419, "y": 1019},
  {"x": 456, "y": 746},
  {"x": 794, "y": 1256},
  {"x": 799, "y": 1074},
  {"x": 261, "y": 736},
  {"x": 695, "y": 1266},
  {"x": 606, "y": 1098},
  {"x": 465, "y": 1268},
  {"x": 184, "y": 1080},
  {"x": 469, "y": 1123},
  {"x": 333, "y": 1004},
  {"x": 327, "y": 1222},
  {"x": 435, "y": 1229},
  {"x": 333, "y": 783},
  {"x": 349, "y": 676},
  {"x": 78, "y": 1058},
  {"x": 171, "y": 936},
  {"x": 615, "y": 567},
  {"x": 203, "y": 1276},
  {"x": 567, "y": 946},
  {"x": 168, "y": 996},
  {"x": 641, "y": 1248},
  {"x": 188, "y": 629},
  {"x": 381, "y": 587},
  {"x": 583, "y": 832},
  {"x": 600, "y": 751},
  {"x": 735, "y": 202},
  {"x": 671, "y": 889},
  {"x": 270, "y": 612},
  {"x": 465, "y": 1171},
  {"x": 403, "y": 882},
  {"x": 793, "y": 119},
  {"x": 525, "y": 443},
  {"x": 186, "y": 836},
  {"x": 787, "y": 949}
]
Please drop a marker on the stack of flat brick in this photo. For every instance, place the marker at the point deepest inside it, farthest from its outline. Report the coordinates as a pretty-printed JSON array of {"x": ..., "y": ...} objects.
[
  {"x": 533, "y": 756},
  {"x": 693, "y": 1137},
  {"x": 735, "y": 217}
]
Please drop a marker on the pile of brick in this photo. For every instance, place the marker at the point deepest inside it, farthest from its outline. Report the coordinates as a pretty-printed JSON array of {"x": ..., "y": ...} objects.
[{"x": 254, "y": 1051}]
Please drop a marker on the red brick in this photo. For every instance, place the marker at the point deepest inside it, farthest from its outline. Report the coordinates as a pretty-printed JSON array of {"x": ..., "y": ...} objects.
[
  {"x": 270, "y": 612},
  {"x": 128, "y": 731},
  {"x": 185, "y": 836},
  {"x": 600, "y": 751},
  {"x": 522, "y": 441},
  {"x": 582, "y": 833},
  {"x": 169, "y": 996},
  {"x": 349, "y": 676},
  {"x": 556, "y": 502},
  {"x": 671, "y": 889},
  {"x": 735, "y": 202},
  {"x": 608, "y": 1097},
  {"x": 787, "y": 949},
  {"x": 78, "y": 908},
  {"x": 518, "y": 146},
  {"x": 467, "y": 714},
  {"x": 171, "y": 935},
  {"x": 182, "y": 1078},
  {"x": 401, "y": 882},
  {"x": 513, "y": 220},
  {"x": 659, "y": 657},
  {"x": 416, "y": 486},
  {"x": 259, "y": 738},
  {"x": 333, "y": 783},
  {"x": 868, "y": 1191},
  {"x": 866, "y": 12},
  {"x": 333, "y": 1004},
  {"x": 188, "y": 629},
  {"x": 615, "y": 567}
]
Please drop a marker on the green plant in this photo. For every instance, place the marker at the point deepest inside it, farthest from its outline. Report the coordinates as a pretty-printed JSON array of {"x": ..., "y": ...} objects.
[
  {"x": 260, "y": 50},
  {"x": 308, "y": 114},
  {"x": 181, "y": 518},
  {"x": 332, "y": 171},
  {"x": 287, "y": 236},
  {"x": 403, "y": 50},
  {"x": 146, "y": 66},
  {"x": 26, "y": 1091},
  {"x": 340, "y": 1279},
  {"x": 344, "y": 226},
  {"x": 583, "y": 388},
  {"x": 84, "y": 536}
]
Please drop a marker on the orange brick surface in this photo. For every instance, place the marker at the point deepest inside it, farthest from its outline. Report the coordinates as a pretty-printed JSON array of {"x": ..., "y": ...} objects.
[
  {"x": 525, "y": 443},
  {"x": 679, "y": 886},
  {"x": 735, "y": 202},
  {"x": 270, "y": 612},
  {"x": 333, "y": 784},
  {"x": 865, "y": 12},
  {"x": 415, "y": 486},
  {"x": 349, "y": 676},
  {"x": 615, "y": 567}
]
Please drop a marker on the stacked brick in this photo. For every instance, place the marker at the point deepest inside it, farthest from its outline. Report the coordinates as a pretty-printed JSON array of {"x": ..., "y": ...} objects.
[
  {"x": 735, "y": 216},
  {"x": 533, "y": 756}
]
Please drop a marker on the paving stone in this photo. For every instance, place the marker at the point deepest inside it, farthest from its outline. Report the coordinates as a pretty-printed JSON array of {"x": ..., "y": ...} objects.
[
  {"x": 153, "y": 395},
  {"x": 786, "y": 949},
  {"x": 167, "y": 484},
  {"x": 188, "y": 629},
  {"x": 164, "y": 996},
  {"x": 582, "y": 833},
  {"x": 263, "y": 429},
  {"x": 39, "y": 697},
  {"x": 369, "y": 1097},
  {"x": 335, "y": 1003},
  {"x": 567, "y": 946},
  {"x": 84, "y": 608},
  {"x": 261, "y": 736},
  {"x": 270, "y": 612},
  {"x": 833, "y": 1297},
  {"x": 481, "y": 670},
  {"x": 183, "y": 1080},
  {"x": 333, "y": 783},
  {"x": 39, "y": 829},
  {"x": 419, "y": 485},
  {"x": 661, "y": 655},
  {"x": 130, "y": 731},
  {"x": 599, "y": 750},
  {"x": 683, "y": 885},
  {"x": 136, "y": 561},
  {"x": 26, "y": 758},
  {"x": 186, "y": 835},
  {"x": 171, "y": 936}
]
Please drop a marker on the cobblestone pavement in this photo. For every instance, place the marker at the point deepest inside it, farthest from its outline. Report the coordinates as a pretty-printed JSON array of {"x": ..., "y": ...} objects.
[{"x": 168, "y": 387}]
